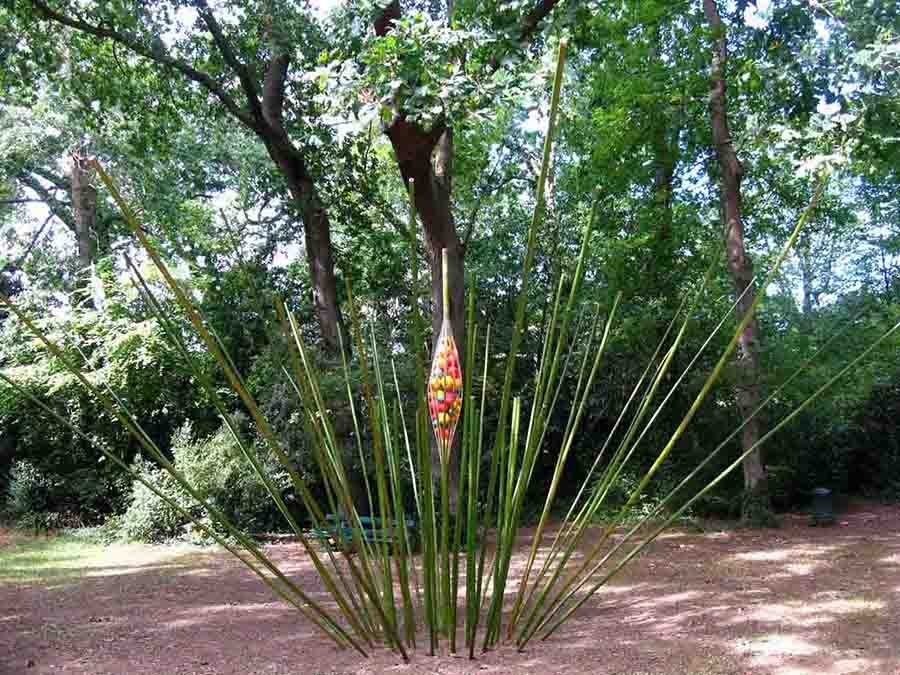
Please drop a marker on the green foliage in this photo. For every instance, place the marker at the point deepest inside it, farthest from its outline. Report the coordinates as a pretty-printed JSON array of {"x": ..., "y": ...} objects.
[
  {"x": 809, "y": 86},
  {"x": 417, "y": 68},
  {"x": 29, "y": 496},
  {"x": 216, "y": 469},
  {"x": 148, "y": 518},
  {"x": 39, "y": 498},
  {"x": 868, "y": 447},
  {"x": 131, "y": 358}
]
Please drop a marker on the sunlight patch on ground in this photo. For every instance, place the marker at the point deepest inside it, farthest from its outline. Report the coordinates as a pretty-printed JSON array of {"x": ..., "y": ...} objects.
[
  {"x": 801, "y": 569},
  {"x": 838, "y": 667},
  {"x": 622, "y": 590},
  {"x": 672, "y": 599},
  {"x": 63, "y": 559},
  {"x": 127, "y": 558},
  {"x": 769, "y": 649},
  {"x": 783, "y": 554},
  {"x": 809, "y": 614},
  {"x": 260, "y": 610}
]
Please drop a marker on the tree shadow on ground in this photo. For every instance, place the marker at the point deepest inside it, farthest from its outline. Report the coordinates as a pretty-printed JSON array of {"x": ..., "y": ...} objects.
[{"x": 789, "y": 601}]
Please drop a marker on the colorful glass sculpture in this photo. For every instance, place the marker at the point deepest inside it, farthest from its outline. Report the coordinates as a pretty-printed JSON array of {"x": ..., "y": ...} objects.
[{"x": 445, "y": 389}]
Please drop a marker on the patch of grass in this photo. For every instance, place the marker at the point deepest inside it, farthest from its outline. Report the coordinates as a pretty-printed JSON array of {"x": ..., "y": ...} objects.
[
  {"x": 27, "y": 559},
  {"x": 61, "y": 559}
]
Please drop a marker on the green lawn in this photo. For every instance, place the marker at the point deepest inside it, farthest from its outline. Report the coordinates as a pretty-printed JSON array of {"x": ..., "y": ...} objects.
[{"x": 61, "y": 559}]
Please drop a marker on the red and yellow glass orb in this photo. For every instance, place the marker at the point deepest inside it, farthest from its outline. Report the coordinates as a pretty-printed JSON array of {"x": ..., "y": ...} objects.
[{"x": 445, "y": 390}]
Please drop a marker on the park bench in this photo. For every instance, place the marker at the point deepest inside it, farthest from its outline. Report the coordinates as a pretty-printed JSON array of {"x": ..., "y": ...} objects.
[{"x": 338, "y": 531}]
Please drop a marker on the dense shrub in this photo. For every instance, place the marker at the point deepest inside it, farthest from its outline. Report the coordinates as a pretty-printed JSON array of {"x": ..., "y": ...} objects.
[
  {"x": 148, "y": 517},
  {"x": 216, "y": 469},
  {"x": 129, "y": 356},
  {"x": 29, "y": 491},
  {"x": 873, "y": 442},
  {"x": 38, "y": 500}
]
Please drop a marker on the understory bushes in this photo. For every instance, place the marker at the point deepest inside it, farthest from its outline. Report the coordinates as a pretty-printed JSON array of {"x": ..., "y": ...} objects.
[
  {"x": 66, "y": 477},
  {"x": 873, "y": 438},
  {"x": 50, "y": 478},
  {"x": 215, "y": 467}
]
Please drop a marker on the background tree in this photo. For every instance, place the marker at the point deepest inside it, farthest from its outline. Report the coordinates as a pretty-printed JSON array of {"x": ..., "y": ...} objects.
[{"x": 244, "y": 67}]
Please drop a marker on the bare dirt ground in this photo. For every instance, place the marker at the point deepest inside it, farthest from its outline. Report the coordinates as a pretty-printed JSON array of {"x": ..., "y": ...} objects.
[{"x": 790, "y": 601}]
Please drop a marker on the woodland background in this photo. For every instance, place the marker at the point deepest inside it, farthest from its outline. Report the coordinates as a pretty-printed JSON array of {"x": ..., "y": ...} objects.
[{"x": 268, "y": 144}]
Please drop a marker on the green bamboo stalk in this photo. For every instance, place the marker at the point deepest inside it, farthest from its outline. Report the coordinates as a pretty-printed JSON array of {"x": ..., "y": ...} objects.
[
  {"x": 374, "y": 427},
  {"x": 412, "y": 472},
  {"x": 468, "y": 447},
  {"x": 425, "y": 504},
  {"x": 613, "y": 471},
  {"x": 444, "y": 455},
  {"x": 386, "y": 607},
  {"x": 175, "y": 339},
  {"x": 521, "y": 304},
  {"x": 365, "y": 580},
  {"x": 396, "y": 527},
  {"x": 384, "y": 505},
  {"x": 429, "y": 549},
  {"x": 568, "y": 441},
  {"x": 506, "y": 531},
  {"x": 573, "y": 533},
  {"x": 234, "y": 380},
  {"x": 473, "y": 581},
  {"x": 536, "y": 220},
  {"x": 356, "y": 431},
  {"x": 509, "y": 489},
  {"x": 582, "y": 389},
  {"x": 542, "y": 408},
  {"x": 649, "y": 517}
]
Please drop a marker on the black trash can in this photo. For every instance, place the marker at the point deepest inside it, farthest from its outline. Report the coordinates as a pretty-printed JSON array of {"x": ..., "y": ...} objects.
[{"x": 823, "y": 507}]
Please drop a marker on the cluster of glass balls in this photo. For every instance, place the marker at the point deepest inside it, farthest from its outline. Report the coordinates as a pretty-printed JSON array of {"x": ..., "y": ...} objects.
[{"x": 445, "y": 388}]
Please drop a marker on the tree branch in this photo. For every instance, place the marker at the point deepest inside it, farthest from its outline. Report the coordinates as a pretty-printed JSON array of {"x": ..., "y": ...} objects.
[
  {"x": 57, "y": 208},
  {"x": 480, "y": 204},
  {"x": 529, "y": 26},
  {"x": 156, "y": 54},
  {"x": 393, "y": 220},
  {"x": 59, "y": 182},
  {"x": 248, "y": 83},
  {"x": 273, "y": 91},
  {"x": 533, "y": 19},
  {"x": 34, "y": 240},
  {"x": 388, "y": 16}
]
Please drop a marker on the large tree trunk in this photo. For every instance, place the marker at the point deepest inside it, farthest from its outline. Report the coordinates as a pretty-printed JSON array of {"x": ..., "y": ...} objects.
[
  {"x": 317, "y": 236},
  {"x": 756, "y": 500},
  {"x": 84, "y": 211},
  {"x": 316, "y": 224},
  {"x": 319, "y": 258},
  {"x": 425, "y": 157},
  {"x": 262, "y": 115}
]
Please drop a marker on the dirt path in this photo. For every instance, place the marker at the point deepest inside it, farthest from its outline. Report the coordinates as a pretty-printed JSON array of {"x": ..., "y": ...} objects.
[{"x": 791, "y": 601}]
